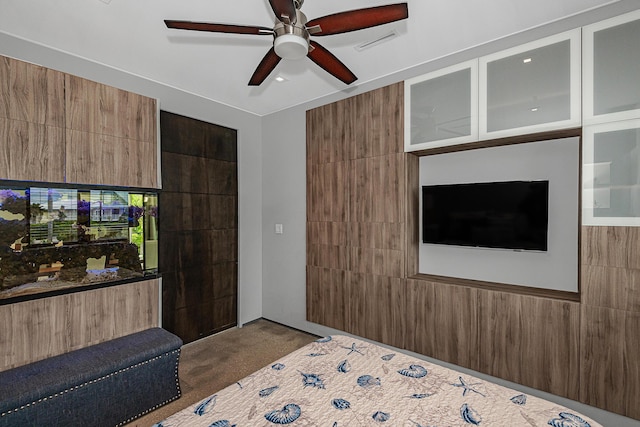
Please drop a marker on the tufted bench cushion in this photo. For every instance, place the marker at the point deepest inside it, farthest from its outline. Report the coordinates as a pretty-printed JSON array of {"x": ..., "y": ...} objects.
[{"x": 107, "y": 384}]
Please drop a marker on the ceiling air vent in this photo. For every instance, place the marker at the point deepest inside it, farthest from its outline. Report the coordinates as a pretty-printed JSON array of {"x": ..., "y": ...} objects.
[{"x": 372, "y": 43}]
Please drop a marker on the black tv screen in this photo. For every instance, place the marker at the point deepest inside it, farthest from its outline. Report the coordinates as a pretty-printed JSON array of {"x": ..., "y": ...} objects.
[{"x": 508, "y": 215}]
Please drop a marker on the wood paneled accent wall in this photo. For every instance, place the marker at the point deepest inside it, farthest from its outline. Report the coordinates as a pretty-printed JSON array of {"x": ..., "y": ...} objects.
[
  {"x": 55, "y": 127},
  {"x": 37, "y": 329},
  {"x": 610, "y": 311},
  {"x": 362, "y": 244},
  {"x": 355, "y": 215},
  {"x": 199, "y": 227}
]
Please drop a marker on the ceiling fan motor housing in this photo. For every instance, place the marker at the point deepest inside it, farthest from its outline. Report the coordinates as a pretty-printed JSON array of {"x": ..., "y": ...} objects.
[{"x": 291, "y": 39}]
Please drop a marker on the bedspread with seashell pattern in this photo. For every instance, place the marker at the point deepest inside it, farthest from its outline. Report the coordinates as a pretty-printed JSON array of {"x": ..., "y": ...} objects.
[{"x": 340, "y": 381}]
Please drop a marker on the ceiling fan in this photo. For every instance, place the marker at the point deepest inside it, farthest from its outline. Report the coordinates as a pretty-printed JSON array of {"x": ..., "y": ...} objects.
[{"x": 291, "y": 34}]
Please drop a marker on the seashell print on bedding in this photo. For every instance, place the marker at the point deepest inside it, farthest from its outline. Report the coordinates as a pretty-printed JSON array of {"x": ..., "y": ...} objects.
[
  {"x": 267, "y": 391},
  {"x": 312, "y": 380},
  {"x": 568, "y": 420},
  {"x": 419, "y": 396},
  {"x": 520, "y": 399},
  {"x": 353, "y": 385},
  {"x": 469, "y": 415},
  {"x": 341, "y": 404},
  {"x": 367, "y": 381},
  {"x": 325, "y": 339},
  {"x": 286, "y": 415},
  {"x": 205, "y": 405},
  {"x": 344, "y": 366},
  {"x": 381, "y": 417},
  {"x": 222, "y": 423},
  {"x": 414, "y": 371}
]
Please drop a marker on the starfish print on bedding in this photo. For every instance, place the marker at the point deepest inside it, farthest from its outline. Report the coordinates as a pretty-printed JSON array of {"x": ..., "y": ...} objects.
[
  {"x": 467, "y": 387},
  {"x": 353, "y": 349}
]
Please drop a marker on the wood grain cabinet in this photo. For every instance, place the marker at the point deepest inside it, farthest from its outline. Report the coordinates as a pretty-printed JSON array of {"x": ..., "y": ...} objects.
[
  {"x": 59, "y": 128},
  {"x": 355, "y": 214},
  {"x": 111, "y": 135},
  {"x": 32, "y": 118},
  {"x": 531, "y": 341}
]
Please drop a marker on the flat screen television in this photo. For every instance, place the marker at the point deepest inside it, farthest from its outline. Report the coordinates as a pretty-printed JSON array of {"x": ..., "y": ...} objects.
[{"x": 507, "y": 215}]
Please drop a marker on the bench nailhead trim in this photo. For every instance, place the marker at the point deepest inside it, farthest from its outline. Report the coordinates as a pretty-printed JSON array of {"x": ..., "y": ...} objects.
[{"x": 108, "y": 376}]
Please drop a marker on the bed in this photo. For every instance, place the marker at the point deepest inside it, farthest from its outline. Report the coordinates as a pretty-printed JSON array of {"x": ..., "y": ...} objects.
[{"x": 340, "y": 381}]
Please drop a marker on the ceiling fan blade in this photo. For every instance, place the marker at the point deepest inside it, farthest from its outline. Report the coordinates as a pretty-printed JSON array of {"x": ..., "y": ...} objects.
[
  {"x": 327, "y": 61},
  {"x": 358, "y": 19},
  {"x": 266, "y": 66},
  {"x": 283, "y": 8},
  {"x": 218, "y": 28}
]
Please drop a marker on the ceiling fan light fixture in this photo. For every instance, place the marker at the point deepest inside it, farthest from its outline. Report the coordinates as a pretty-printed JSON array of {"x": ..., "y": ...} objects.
[{"x": 291, "y": 46}]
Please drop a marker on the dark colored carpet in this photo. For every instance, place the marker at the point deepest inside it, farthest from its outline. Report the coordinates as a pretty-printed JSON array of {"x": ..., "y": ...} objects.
[{"x": 211, "y": 364}]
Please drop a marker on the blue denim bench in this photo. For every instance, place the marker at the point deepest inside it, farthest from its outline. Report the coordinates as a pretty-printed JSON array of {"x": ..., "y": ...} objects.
[{"x": 107, "y": 384}]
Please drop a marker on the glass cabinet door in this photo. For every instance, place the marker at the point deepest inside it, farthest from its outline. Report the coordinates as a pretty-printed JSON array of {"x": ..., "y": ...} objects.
[
  {"x": 611, "y": 174},
  {"x": 531, "y": 88},
  {"x": 612, "y": 69},
  {"x": 441, "y": 107}
]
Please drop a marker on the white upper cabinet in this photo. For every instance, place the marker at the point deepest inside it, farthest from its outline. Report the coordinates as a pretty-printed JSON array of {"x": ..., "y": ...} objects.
[
  {"x": 611, "y": 174},
  {"x": 442, "y": 107},
  {"x": 611, "y": 70},
  {"x": 531, "y": 88}
]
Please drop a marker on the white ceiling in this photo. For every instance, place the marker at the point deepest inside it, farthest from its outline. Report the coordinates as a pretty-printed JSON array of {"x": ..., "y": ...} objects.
[{"x": 130, "y": 35}]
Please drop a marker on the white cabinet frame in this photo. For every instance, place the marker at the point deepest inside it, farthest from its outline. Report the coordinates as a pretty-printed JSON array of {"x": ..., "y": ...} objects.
[
  {"x": 410, "y": 145},
  {"x": 574, "y": 120},
  {"x": 595, "y": 197},
  {"x": 588, "y": 55}
]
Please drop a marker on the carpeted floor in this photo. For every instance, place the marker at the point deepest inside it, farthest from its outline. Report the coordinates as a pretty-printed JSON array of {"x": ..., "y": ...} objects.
[{"x": 211, "y": 364}]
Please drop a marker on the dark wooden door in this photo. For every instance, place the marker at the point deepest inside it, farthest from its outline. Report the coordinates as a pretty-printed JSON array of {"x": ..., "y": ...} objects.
[{"x": 198, "y": 227}]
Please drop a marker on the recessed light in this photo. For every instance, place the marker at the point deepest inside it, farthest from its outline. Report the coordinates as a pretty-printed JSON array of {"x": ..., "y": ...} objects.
[
  {"x": 280, "y": 79},
  {"x": 534, "y": 109},
  {"x": 526, "y": 60}
]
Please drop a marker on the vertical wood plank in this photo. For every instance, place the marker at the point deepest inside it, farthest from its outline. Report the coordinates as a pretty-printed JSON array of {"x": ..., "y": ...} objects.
[
  {"x": 531, "y": 341},
  {"x": 327, "y": 297},
  {"x": 611, "y": 246},
  {"x": 376, "y": 308},
  {"x": 610, "y": 366},
  {"x": 611, "y": 287},
  {"x": 5, "y": 86},
  {"x": 31, "y": 151},
  {"x": 36, "y": 94},
  {"x": 108, "y": 160},
  {"x": 97, "y": 108},
  {"x": 447, "y": 334},
  {"x": 412, "y": 216},
  {"x": 379, "y": 122},
  {"x": 41, "y": 328}
]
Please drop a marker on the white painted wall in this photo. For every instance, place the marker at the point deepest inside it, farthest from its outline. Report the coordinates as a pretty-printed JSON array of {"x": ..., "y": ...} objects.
[
  {"x": 179, "y": 102},
  {"x": 284, "y": 255}
]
